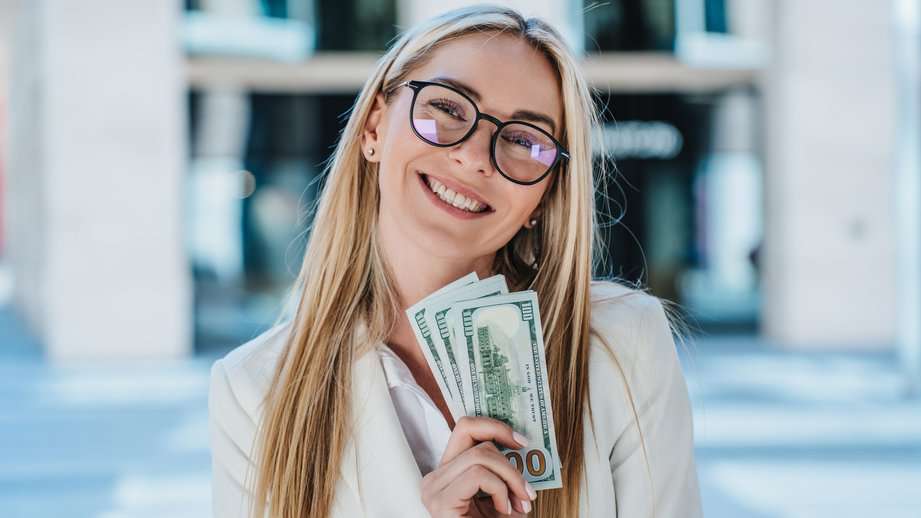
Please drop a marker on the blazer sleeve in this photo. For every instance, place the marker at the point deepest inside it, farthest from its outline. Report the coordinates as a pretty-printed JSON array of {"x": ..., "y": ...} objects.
[
  {"x": 666, "y": 487},
  {"x": 231, "y": 430}
]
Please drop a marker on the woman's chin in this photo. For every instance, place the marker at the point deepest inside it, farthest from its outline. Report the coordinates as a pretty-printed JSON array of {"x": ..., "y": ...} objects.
[{"x": 438, "y": 240}]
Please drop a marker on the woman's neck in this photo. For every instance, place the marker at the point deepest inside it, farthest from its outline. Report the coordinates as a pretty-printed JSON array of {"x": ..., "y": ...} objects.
[{"x": 416, "y": 274}]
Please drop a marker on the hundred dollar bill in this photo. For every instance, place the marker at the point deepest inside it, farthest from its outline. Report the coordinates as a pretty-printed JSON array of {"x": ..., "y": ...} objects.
[
  {"x": 423, "y": 332},
  {"x": 436, "y": 310},
  {"x": 501, "y": 348},
  {"x": 466, "y": 280}
]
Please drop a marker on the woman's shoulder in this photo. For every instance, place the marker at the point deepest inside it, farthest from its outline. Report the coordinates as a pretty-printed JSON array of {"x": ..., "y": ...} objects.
[
  {"x": 632, "y": 353},
  {"x": 628, "y": 316},
  {"x": 243, "y": 375}
]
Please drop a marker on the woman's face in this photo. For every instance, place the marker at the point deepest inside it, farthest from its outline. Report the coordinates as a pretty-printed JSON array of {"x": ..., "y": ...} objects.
[{"x": 504, "y": 75}]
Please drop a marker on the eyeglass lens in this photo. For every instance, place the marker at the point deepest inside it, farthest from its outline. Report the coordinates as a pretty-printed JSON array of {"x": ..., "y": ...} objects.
[{"x": 444, "y": 117}]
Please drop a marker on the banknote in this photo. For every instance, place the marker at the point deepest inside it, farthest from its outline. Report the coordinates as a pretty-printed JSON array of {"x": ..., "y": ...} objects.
[
  {"x": 466, "y": 280},
  {"x": 499, "y": 347},
  {"x": 436, "y": 310},
  {"x": 423, "y": 333}
]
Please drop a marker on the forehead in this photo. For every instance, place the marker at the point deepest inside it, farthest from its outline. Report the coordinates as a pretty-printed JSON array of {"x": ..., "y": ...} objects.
[{"x": 508, "y": 73}]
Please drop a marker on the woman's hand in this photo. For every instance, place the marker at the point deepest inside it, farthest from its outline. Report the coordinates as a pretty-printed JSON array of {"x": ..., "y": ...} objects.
[{"x": 471, "y": 463}]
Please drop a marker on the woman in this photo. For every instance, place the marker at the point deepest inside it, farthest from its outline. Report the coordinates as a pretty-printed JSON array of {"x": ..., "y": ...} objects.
[{"x": 331, "y": 413}]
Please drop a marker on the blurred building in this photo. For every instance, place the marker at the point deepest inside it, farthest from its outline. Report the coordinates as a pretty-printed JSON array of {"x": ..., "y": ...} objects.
[
  {"x": 95, "y": 161},
  {"x": 680, "y": 98},
  {"x": 752, "y": 179}
]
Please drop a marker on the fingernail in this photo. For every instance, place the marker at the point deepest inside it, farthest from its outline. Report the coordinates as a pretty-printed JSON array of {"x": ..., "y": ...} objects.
[
  {"x": 520, "y": 439},
  {"x": 526, "y": 505},
  {"x": 508, "y": 505},
  {"x": 531, "y": 492}
]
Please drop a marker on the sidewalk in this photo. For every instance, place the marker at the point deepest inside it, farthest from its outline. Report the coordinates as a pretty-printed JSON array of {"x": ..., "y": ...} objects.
[
  {"x": 100, "y": 441},
  {"x": 803, "y": 434},
  {"x": 778, "y": 434}
]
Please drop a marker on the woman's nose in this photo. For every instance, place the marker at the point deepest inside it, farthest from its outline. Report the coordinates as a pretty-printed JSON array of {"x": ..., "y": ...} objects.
[{"x": 473, "y": 153}]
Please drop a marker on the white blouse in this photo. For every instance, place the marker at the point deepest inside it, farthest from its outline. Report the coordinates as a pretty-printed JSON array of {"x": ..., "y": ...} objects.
[{"x": 425, "y": 427}]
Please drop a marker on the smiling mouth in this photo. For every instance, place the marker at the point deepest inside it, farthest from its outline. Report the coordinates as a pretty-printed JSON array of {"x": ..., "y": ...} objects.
[{"x": 454, "y": 199}]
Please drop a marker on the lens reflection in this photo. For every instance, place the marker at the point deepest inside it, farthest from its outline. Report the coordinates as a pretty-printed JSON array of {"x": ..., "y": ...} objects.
[
  {"x": 442, "y": 116},
  {"x": 524, "y": 152}
]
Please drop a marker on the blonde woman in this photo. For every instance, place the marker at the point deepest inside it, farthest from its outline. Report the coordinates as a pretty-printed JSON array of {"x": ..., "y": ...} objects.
[{"x": 334, "y": 411}]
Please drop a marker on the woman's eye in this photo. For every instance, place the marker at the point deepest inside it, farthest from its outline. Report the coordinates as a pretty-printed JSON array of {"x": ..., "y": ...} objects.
[
  {"x": 449, "y": 108},
  {"x": 521, "y": 140}
]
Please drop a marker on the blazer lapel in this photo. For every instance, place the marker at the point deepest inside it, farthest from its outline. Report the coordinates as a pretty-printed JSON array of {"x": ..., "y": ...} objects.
[{"x": 378, "y": 463}]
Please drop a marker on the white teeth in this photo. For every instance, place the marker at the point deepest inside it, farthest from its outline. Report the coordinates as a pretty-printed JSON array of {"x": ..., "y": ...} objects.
[{"x": 456, "y": 199}]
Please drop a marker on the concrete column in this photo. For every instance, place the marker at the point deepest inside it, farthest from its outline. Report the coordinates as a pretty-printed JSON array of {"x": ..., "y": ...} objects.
[
  {"x": 94, "y": 201},
  {"x": 829, "y": 253},
  {"x": 7, "y": 13},
  {"x": 216, "y": 177},
  {"x": 907, "y": 207}
]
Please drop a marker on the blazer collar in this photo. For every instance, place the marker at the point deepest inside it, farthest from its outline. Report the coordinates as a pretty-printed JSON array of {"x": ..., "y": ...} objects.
[{"x": 378, "y": 463}]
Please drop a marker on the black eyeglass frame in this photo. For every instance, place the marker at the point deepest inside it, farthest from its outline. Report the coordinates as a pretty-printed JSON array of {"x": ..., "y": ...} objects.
[{"x": 417, "y": 87}]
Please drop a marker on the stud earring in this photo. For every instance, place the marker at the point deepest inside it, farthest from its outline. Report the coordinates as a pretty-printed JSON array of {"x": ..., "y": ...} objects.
[
  {"x": 370, "y": 151},
  {"x": 532, "y": 222}
]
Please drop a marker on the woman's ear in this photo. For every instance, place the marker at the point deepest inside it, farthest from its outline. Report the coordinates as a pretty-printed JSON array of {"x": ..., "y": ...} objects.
[
  {"x": 372, "y": 135},
  {"x": 534, "y": 217}
]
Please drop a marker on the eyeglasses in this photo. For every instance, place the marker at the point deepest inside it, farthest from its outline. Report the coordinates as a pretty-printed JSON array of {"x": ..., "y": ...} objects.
[{"x": 443, "y": 116}]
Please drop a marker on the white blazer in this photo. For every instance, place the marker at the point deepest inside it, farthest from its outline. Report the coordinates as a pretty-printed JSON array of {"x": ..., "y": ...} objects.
[{"x": 379, "y": 476}]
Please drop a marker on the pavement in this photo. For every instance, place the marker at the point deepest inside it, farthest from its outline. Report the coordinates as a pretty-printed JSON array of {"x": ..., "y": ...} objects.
[
  {"x": 778, "y": 433},
  {"x": 803, "y": 434}
]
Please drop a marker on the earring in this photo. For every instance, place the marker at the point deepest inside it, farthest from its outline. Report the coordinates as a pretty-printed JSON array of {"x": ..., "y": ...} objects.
[
  {"x": 532, "y": 222},
  {"x": 370, "y": 151}
]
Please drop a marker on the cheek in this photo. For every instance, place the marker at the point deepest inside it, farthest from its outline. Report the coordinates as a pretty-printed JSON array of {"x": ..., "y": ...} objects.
[
  {"x": 521, "y": 201},
  {"x": 401, "y": 146},
  {"x": 399, "y": 150},
  {"x": 518, "y": 207},
  {"x": 397, "y": 135}
]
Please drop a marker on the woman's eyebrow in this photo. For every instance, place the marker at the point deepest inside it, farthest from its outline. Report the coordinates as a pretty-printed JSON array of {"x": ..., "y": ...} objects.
[{"x": 527, "y": 115}]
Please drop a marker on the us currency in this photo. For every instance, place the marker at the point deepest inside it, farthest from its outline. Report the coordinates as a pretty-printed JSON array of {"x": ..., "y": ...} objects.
[
  {"x": 423, "y": 332},
  {"x": 436, "y": 310},
  {"x": 500, "y": 349},
  {"x": 466, "y": 280}
]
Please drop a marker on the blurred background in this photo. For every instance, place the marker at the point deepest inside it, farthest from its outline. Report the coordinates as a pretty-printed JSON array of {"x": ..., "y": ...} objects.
[{"x": 157, "y": 159}]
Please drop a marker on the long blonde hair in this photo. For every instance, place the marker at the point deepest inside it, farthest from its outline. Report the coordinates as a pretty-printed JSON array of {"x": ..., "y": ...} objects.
[{"x": 343, "y": 280}]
